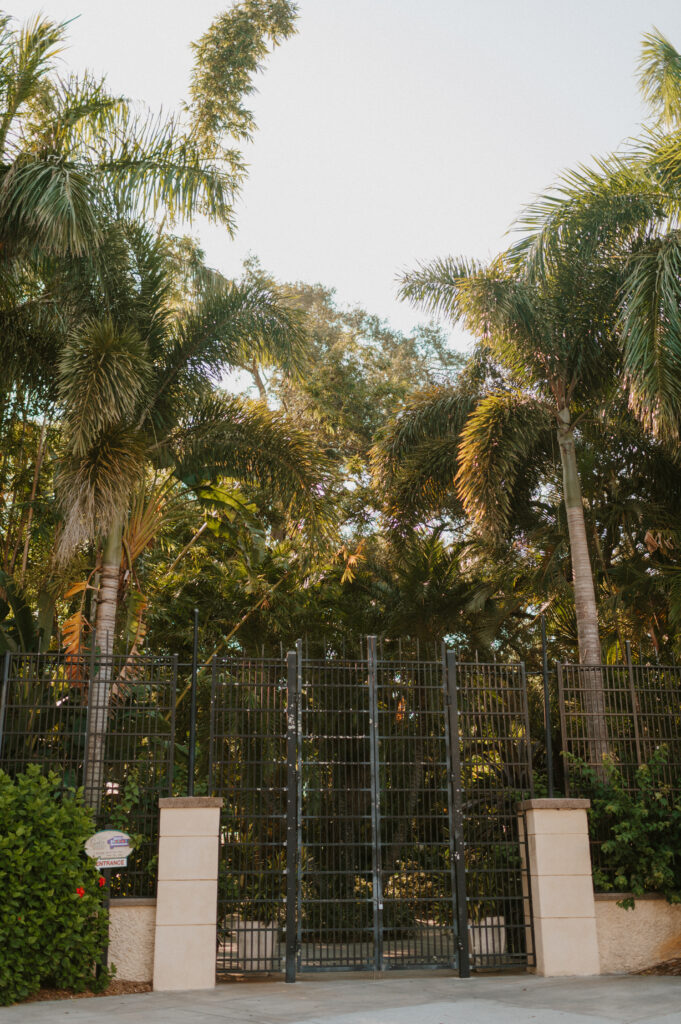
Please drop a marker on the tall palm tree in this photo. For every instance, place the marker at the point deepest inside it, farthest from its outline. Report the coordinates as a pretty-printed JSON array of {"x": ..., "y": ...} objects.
[
  {"x": 74, "y": 157},
  {"x": 554, "y": 343},
  {"x": 627, "y": 206},
  {"x": 71, "y": 152},
  {"x": 137, "y": 392}
]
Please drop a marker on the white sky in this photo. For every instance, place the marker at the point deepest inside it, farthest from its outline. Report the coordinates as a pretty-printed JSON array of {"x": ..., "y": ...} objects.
[{"x": 391, "y": 130}]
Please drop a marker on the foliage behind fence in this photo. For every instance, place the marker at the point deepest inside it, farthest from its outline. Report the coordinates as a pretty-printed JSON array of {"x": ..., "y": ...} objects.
[
  {"x": 642, "y": 713},
  {"x": 43, "y": 720}
]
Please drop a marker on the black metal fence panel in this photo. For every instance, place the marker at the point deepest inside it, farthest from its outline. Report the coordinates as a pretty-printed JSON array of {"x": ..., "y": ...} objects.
[
  {"x": 248, "y": 768},
  {"x": 369, "y": 817},
  {"x": 496, "y": 773},
  {"x": 44, "y": 721},
  {"x": 360, "y": 760},
  {"x": 416, "y": 844},
  {"x": 641, "y": 713},
  {"x": 337, "y": 868}
]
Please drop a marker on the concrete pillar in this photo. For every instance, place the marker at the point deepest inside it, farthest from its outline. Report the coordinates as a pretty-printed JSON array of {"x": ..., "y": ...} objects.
[
  {"x": 563, "y": 907},
  {"x": 186, "y": 899}
]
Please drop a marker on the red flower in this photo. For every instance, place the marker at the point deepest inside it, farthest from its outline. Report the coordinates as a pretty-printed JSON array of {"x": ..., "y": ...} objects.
[
  {"x": 102, "y": 881},
  {"x": 80, "y": 891}
]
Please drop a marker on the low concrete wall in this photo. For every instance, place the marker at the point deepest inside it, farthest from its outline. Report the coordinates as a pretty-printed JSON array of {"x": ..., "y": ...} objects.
[
  {"x": 132, "y": 925},
  {"x": 631, "y": 940}
]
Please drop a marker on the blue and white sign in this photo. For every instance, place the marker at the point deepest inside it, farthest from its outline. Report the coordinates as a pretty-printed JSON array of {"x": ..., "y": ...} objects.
[{"x": 109, "y": 849}]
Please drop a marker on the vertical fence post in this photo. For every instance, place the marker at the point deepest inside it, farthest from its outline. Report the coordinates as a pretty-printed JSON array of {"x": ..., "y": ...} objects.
[
  {"x": 526, "y": 720},
  {"x": 3, "y": 695},
  {"x": 299, "y": 787},
  {"x": 377, "y": 890},
  {"x": 457, "y": 817},
  {"x": 634, "y": 703},
  {"x": 292, "y": 812},
  {"x": 547, "y": 706},
  {"x": 450, "y": 805},
  {"x": 211, "y": 740},
  {"x": 171, "y": 744},
  {"x": 192, "y": 710},
  {"x": 563, "y": 727}
]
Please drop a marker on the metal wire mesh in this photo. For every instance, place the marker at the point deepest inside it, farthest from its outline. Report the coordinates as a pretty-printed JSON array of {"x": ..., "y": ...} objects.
[
  {"x": 496, "y": 772},
  {"x": 355, "y": 789},
  {"x": 336, "y": 846},
  {"x": 44, "y": 721},
  {"x": 419, "y": 921},
  {"x": 370, "y": 748},
  {"x": 642, "y": 712},
  {"x": 248, "y": 767}
]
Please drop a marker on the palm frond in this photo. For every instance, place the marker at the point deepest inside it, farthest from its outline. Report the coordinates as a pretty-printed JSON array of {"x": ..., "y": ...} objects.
[
  {"x": 236, "y": 322},
  {"x": 70, "y": 116},
  {"x": 500, "y": 440},
  {"x": 102, "y": 376},
  {"x": 49, "y": 205},
  {"x": 226, "y": 59},
  {"x": 498, "y": 306},
  {"x": 149, "y": 164},
  {"x": 228, "y": 436},
  {"x": 659, "y": 77},
  {"x": 230, "y": 325},
  {"x": 25, "y": 58},
  {"x": 424, "y": 481},
  {"x": 94, "y": 489},
  {"x": 651, "y": 331},
  {"x": 599, "y": 206},
  {"x": 436, "y": 287},
  {"x": 415, "y": 455}
]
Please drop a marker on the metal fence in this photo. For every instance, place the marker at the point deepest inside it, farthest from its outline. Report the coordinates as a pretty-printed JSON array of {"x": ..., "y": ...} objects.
[
  {"x": 369, "y": 819},
  {"x": 620, "y": 714},
  {"x": 640, "y": 711},
  {"x": 369, "y": 802},
  {"x": 496, "y": 773},
  {"x": 44, "y": 720},
  {"x": 248, "y": 766}
]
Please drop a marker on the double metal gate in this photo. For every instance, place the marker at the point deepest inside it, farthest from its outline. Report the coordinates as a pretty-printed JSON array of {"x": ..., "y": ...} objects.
[{"x": 369, "y": 813}]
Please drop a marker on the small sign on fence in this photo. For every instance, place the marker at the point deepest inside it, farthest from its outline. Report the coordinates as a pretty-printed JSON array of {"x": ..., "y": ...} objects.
[{"x": 109, "y": 849}]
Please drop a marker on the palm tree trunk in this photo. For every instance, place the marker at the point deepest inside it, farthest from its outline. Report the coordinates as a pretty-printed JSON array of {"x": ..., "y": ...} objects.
[
  {"x": 100, "y": 684},
  {"x": 585, "y": 596}
]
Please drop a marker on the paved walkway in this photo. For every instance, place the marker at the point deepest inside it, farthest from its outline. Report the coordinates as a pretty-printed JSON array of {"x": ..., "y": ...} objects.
[{"x": 427, "y": 999}]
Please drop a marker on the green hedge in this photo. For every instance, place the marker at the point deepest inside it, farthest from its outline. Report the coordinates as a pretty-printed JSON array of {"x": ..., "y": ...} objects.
[
  {"x": 53, "y": 925},
  {"x": 636, "y": 829}
]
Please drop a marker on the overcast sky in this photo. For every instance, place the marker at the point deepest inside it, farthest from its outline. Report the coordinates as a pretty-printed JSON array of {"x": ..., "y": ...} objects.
[{"x": 391, "y": 130}]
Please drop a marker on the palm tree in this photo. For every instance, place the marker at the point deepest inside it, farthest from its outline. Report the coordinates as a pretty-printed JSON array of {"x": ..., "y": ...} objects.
[
  {"x": 627, "y": 207},
  {"x": 137, "y": 393},
  {"x": 74, "y": 158},
  {"x": 71, "y": 153},
  {"x": 553, "y": 343}
]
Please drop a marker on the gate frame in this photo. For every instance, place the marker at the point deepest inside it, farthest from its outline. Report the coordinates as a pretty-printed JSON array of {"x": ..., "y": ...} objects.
[{"x": 451, "y": 735}]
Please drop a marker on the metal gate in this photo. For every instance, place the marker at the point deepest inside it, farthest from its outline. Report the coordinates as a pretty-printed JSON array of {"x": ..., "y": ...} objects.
[{"x": 369, "y": 819}]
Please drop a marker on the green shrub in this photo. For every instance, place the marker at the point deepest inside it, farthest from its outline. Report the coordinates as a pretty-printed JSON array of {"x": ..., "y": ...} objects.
[
  {"x": 637, "y": 829},
  {"x": 53, "y": 925}
]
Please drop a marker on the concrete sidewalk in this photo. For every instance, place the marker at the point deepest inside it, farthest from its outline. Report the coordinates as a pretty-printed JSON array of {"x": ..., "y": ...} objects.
[{"x": 427, "y": 999}]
